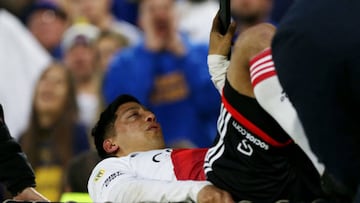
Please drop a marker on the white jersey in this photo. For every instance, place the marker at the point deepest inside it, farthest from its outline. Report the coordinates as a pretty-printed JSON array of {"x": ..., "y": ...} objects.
[{"x": 152, "y": 176}]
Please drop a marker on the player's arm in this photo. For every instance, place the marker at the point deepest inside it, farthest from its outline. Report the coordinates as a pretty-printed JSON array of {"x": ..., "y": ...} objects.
[
  {"x": 248, "y": 44},
  {"x": 123, "y": 186},
  {"x": 219, "y": 48},
  {"x": 15, "y": 171},
  {"x": 142, "y": 190}
]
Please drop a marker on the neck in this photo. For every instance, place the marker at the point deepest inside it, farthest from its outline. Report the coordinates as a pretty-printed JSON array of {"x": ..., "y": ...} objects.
[
  {"x": 46, "y": 119},
  {"x": 88, "y": 85}
]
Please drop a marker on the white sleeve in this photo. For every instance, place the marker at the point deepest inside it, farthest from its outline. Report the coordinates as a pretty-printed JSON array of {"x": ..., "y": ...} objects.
[
  {"x": 131, "y": 189},
  {"x": 121, "y": 185},
  {"x": 218, "y": 66}
]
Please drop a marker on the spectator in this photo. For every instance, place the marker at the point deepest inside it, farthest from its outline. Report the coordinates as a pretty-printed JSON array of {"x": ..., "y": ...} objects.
[
  {"x": 99, "y": 14},
  {"x": 15, "y": 170},
  {"x": 54, "y": 134},
  {"x": 196, "y": 17},
  {"x": 169, "y": 75},
  {"x": 48, "y": 22},
  {"x": 107, "y": 44},
  {"x": 80, "y": 57},
  {"x": 247, "y": 13},
  {"x": 22, "y": 60}
]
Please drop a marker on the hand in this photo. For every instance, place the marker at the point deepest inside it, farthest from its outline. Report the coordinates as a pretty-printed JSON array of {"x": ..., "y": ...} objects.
[
  {"x": 175, "y": 45},
  {"x": 221, "y": 44},
  {"x": 153, "y": 42},
  {"x": 30, "y": 194},
  {"x": 212, "y": 194}
]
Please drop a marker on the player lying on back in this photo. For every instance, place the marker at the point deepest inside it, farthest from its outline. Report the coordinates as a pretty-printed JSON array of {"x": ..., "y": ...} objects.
[{"x": 252, "y": 157}]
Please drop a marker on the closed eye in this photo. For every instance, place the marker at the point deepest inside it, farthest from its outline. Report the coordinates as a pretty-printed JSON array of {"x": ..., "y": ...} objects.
[{"x": 133, "y": 115}]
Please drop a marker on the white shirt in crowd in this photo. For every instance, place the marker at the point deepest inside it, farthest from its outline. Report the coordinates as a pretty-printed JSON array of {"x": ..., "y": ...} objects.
[
  {"x": 88, "y": 108},
  {"x": 22, "y": 60},
  {"x": 196, "y": 19}
]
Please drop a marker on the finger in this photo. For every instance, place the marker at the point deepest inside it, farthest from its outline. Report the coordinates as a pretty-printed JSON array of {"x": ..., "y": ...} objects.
[
  {"x": 216, "y": 23},
  {"x": 231, "y": 30}
]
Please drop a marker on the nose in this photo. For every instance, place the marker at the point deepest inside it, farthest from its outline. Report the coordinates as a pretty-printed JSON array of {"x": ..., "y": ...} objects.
[
  {"x": 150, "y": 117},
  {"x": 48, "y": 83}
]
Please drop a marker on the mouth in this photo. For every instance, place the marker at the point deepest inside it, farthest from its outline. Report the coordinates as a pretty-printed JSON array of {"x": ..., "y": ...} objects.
[
  {"x": 154, "y": 126},
  {"x": 47, "y": 96}
]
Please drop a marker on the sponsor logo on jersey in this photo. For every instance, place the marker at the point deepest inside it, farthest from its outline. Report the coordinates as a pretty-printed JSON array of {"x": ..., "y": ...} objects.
[
  {"x": 154, "y": 158},
  {"x": 157, "y": 158},
  {"x": 245, "y": 148},
  {"x": 99, "y": 175},
  {"x": 249, "y": 136},
  {"x": 111, "y": 178}
]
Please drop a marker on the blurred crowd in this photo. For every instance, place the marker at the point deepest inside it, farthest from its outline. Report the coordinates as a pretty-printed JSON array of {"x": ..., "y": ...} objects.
[{"x": 62, "y": 61}]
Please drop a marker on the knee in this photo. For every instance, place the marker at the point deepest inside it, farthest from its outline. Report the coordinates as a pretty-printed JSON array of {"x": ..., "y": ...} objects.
[{"x": 254, "y": 40}]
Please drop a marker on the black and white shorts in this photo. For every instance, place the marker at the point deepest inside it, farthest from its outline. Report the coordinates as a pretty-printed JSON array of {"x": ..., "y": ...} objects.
[{"x": 254, "y": 159}]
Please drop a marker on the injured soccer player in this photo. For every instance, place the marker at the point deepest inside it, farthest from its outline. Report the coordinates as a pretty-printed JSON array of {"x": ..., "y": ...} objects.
[{"x": 252, "y": 158}]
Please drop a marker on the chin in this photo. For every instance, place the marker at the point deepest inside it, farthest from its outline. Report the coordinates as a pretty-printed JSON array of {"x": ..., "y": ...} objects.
[
  {"x": 163, "y": 34},
  {"x": 159, "y": 143}
]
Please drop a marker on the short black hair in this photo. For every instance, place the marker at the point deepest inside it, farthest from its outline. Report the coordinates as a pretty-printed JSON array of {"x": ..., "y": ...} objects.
[{"x": 106, "y": 121}]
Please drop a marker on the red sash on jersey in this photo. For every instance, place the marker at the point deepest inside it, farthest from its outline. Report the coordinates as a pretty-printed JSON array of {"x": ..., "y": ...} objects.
[{"x": 188, "y": 163}]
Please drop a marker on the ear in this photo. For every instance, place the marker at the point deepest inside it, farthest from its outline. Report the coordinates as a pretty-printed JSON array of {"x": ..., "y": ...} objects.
[{"x": 109, "y": 146}]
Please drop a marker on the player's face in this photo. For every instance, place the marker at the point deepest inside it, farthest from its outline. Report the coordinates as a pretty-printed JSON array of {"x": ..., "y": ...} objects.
[{"x": 136, "y": 129}]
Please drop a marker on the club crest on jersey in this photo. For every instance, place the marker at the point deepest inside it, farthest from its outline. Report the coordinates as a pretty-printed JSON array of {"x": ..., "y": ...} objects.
[{"x": 99, "y": 175}]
